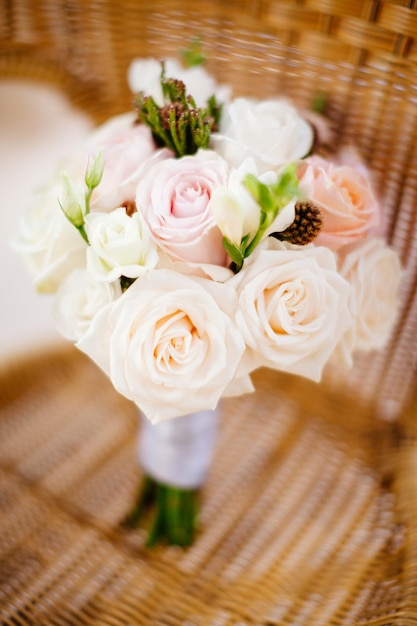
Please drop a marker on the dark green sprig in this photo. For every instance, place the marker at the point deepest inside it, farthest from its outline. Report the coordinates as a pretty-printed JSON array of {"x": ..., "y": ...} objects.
[
  {"x": 179, "y": 125},
  {"x": 125, "y": 282}
]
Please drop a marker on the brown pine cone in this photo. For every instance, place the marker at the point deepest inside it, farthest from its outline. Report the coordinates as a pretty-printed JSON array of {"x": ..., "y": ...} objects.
[{"x": 305, "y": 227}]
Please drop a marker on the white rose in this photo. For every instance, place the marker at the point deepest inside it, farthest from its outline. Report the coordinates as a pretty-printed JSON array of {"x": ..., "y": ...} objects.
[
  {"x": 293, "y": 308},
  {"x": 169, "y": 343},
  {"x": 145, "y": 75},
  {"x": 373, "y": 271},
  {"x": 236, "y": 212},
  {"x": 271, "y": 131},
  {"x": 119, "y": 245},
  {"x": 78, "y": 299},
  {"x": 50, "y": 245}
]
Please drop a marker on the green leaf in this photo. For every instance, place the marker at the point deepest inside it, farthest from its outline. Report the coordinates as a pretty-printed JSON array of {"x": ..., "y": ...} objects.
[
  {"x": 252, "y": 185},
  {"x": 287, "y": 184},
  {"x": 193, "y": 55},
  {"x": 244, "y": 241},
  {"x": 234, "y": 252},
  {"x": 179, "y": 125},
  {"x": 320, "y": 103},
  {"x": 266, "y": 198},
  {"x": 271, "y": 198}
]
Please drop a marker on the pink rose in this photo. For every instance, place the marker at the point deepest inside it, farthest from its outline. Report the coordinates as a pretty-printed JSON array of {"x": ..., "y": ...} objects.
[
  {"x": 175, "y": 198},
  {"x": 125, "y": 146},
  {"x": 345, "y": 196}
]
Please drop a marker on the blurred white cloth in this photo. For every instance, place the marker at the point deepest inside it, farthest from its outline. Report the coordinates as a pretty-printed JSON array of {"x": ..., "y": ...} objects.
[{"x": 38, "y": 128}]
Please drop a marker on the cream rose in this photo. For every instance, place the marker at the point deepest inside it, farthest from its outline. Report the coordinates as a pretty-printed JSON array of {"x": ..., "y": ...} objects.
[
  {"x": 174, "y": 197},
  {"x": 373, "y": 271},
  {"x": 145, "y": 75},
  {"x": 50, "y": 245},
  {"x": 119, "y": 245},
  {"x": 270, "y": 131},
  {"x": 293, "y": 308},
  {"x": 345, "y": 196},
  {"x": 78, "y": 300},
  {"x": 169, "y": 343}
]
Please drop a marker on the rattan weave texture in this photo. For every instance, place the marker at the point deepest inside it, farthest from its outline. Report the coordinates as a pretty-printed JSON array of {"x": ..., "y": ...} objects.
[
  {"x": 310, "y": 512},
  {"x": 299, "y": 524}
]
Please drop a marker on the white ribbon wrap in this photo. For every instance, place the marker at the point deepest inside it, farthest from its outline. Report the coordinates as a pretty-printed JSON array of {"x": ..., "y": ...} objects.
[{"x": 178, "y": 452}]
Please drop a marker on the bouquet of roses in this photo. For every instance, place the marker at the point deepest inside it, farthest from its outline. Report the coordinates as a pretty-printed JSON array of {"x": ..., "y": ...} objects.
[{"x": 201, "y": 237}]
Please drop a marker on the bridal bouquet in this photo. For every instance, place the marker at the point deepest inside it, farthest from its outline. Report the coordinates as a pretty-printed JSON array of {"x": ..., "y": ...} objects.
[{"x": 201, "y": 237}]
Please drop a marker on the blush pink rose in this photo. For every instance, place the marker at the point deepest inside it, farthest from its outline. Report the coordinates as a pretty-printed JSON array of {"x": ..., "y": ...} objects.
[
  {"x": 345, "y": 196},
  {"x": 125, "y": 147},
  {"x": 174, "y": 197}
]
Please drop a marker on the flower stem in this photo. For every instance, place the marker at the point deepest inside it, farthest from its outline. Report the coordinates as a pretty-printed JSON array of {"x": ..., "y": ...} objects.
[
  {"x": 146, "y": 496},
  {"x": 173, "y": 513}
]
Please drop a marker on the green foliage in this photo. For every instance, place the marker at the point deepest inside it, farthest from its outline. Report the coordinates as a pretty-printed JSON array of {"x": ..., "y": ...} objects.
[
  {"x": 320, "y": 104},
  {"x": 169, "y": 513},
  {"x": 179, "y": 125},
  {"x": 236, "y": 253},
  {"x": 74, "y": 205},
  {"x": 193, "y": 55},
  {"x": 272, "y": 199}
]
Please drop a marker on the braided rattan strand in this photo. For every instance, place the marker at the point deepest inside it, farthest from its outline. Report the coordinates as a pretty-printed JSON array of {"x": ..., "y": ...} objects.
[
  {"x": 310, "y": 512},
  {"x": 298, "y": 526}
]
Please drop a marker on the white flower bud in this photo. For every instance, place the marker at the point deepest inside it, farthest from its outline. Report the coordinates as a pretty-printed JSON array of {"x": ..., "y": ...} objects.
[
  {"x": 94, "y": 172},
  {"x": 235, "y": 211},
  {"x": 72, "y": 201}
]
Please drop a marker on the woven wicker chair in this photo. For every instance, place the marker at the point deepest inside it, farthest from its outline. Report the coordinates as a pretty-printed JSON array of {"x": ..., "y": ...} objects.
[{"x": 309, "y": 515}]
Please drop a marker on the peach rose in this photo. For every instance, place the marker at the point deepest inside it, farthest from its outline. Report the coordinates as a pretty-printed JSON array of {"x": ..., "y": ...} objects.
[{"x": 345, "y": 196}]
